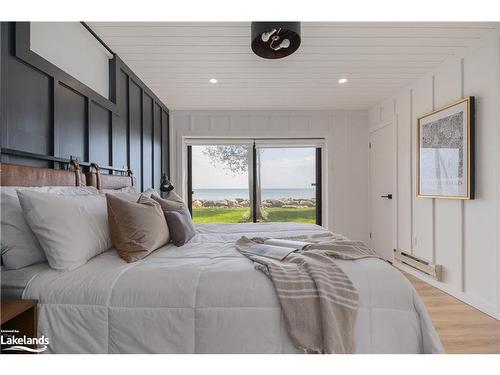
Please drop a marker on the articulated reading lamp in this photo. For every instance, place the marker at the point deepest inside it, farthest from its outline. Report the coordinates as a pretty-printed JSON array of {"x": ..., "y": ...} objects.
[{"x": 165, "y": 185}]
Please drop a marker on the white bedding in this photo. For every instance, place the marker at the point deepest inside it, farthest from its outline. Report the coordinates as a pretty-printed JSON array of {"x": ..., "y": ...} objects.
[{"x": 205, "y": 297}]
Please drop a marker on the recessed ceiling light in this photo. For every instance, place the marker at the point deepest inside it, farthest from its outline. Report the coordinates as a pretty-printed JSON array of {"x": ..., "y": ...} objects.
[
  {"x": 342, "y": 80},
  {"x": 213, "y": 80}
]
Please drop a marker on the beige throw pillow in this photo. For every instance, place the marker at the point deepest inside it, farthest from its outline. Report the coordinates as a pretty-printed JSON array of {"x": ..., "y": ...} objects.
[{"x": 137, "y": 229}]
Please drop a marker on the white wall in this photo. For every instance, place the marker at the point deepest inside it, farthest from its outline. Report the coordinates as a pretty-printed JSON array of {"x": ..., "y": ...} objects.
[
  {"x": 345, "y": 182},
  {"x": 462, "y": 236},
  {"x": 72, "y": 48}
]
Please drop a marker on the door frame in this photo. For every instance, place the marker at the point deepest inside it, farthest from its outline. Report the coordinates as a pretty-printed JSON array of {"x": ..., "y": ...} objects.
[
  {"x": 319, "y": 186},
  {"x": 395, "y": 195},
  {"x": 189, "y": 151}
]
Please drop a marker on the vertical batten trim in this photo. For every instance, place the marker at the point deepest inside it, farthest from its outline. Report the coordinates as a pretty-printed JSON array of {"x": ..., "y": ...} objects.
[
  {"x": 142, "y": 139},
  {"x": 498, "y": 172},
  {"x": 461, "y": 234},
  {"x": 462, "y": 245},
  {"x": 4, "y": 132},
  {"x": 396, "y": 177},
  {"x": 110, "y": 138},
  {"x": 55, "y": 129},
  {"x": 88, "y": 111},
  {"x": 128, "y": 122},
  {"x": 412, "y": 180},
  {"x": 162, "y": 161},
  {"x": 152, "y": 143},
  {"x": 433, "y": 199},
  {"x": 170, "y": 136},
  {"x": 330, "y": 171}
]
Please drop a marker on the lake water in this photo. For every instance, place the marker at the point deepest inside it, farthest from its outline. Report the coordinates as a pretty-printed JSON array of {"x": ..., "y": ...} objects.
[{"x": 219, "y": 194}]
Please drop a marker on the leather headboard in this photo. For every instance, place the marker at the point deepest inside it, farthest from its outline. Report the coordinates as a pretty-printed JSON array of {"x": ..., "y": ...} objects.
[
  {"x": 22, "y": 175},
  {"x": 108, "y": 181}
]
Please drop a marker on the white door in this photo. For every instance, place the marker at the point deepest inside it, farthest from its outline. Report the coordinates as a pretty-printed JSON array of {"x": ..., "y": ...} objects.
[{"x": 382, "y": 199}]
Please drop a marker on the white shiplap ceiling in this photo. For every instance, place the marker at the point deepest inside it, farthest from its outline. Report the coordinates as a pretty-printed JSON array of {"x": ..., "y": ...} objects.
[{"x": 176, "y": 60}]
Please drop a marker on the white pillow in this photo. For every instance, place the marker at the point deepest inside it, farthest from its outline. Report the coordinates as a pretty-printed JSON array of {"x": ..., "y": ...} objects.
[
  {"x": 70, "y": 229},
  {"x": 20, "y": 248}
]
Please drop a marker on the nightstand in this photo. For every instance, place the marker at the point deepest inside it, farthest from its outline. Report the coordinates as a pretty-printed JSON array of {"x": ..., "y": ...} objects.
[{"x": 19, "y": 318}]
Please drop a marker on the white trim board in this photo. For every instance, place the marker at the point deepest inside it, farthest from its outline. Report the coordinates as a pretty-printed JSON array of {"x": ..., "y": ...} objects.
[{"x": 480, "y": 305}]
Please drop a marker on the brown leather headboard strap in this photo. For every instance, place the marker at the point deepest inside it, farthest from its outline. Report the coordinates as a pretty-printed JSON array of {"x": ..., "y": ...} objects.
[
  {"x": 75, "y": 166},
  {"x": 22, "y": 175},
  {"x": 108, "y": 181},
  {"x": 132, "y": 178},
  {"x": 97, "y": 174}
]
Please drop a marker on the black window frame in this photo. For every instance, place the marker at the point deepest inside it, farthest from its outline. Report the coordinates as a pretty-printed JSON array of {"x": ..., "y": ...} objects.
[{"x": 318, "y": 184}]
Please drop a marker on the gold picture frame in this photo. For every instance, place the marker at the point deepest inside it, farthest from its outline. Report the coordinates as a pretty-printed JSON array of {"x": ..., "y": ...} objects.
[{"x": 445, "y": 152}]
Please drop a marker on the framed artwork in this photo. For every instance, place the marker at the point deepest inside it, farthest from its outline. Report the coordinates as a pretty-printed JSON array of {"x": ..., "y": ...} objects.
[{"x": 445, "y": 152}]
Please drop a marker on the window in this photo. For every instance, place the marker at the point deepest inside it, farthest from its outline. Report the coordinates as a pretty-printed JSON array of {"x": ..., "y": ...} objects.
[
  {"x": 220, "y": 191},
  {"x": 254, "y": 181}
]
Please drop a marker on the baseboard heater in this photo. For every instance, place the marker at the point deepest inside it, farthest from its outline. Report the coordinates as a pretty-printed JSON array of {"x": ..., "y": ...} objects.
[{"x": 419, "y": 264}]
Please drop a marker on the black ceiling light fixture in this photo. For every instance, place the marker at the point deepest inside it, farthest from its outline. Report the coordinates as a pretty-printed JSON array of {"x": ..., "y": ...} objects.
[{"x": 275, "y": 40}]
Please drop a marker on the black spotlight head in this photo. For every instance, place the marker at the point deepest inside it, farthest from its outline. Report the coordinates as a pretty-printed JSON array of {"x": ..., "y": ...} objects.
[
  {"x": 275, "y": 40},
  {"x": 165, "y": 185}
]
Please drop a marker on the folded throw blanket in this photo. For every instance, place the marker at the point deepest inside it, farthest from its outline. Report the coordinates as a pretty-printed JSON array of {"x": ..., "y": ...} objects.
[{"x": 318, "y": 300}]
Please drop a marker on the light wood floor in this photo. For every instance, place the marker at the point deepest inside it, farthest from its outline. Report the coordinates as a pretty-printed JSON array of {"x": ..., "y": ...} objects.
[{"x": 462, "y": 328}]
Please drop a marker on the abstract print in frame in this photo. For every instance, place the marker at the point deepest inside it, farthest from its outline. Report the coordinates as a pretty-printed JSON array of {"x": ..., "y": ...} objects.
[{"x": 445, "y": 152}]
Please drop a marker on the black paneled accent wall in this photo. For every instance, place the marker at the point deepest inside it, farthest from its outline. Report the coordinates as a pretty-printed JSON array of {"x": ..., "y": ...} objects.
[{"x": 46, "y": 111}]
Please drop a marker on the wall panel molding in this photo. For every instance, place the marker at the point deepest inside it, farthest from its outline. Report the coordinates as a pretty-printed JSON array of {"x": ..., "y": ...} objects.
[
  {"x": 23, "y": 52},
  {"x": 46, "y": 111},
  {"x": 462, "y": 236}
]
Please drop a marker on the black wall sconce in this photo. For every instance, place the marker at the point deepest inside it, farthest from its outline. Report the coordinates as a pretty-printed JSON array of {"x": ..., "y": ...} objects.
[{"x": 165, "y": 184}]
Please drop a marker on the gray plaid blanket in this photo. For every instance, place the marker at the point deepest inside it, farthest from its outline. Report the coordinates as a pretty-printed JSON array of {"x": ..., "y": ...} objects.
[{"x": 318, "y": 300}]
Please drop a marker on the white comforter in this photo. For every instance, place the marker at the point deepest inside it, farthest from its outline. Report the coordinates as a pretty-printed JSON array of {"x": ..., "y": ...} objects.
[{"x": 205, "y": 297}]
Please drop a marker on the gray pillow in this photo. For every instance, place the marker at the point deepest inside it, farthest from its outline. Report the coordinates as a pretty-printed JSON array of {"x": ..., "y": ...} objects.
[
  {"x": 178, "y": 218},
  {"x": 180, "y": 225}
]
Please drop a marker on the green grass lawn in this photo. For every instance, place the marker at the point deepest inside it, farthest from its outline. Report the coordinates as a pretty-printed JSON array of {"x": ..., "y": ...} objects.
[{"x": 242, "y": 215}]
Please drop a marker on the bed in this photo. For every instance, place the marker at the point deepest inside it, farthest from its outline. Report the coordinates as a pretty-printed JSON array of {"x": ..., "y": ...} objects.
[{"x": 205, "y": 297}]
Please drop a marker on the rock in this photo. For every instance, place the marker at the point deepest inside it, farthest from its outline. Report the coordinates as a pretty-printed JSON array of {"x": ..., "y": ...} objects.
[
  {"x": 220, "y": 203},
  {"x": 267, "y": 203},
  {"x": 208, "y": 203},
  {"x": 290, "y": 206},
  {"x": 307, "y": 203},
  {"x": 274, "y": 203},
  {"x": 232, "y": 203}
]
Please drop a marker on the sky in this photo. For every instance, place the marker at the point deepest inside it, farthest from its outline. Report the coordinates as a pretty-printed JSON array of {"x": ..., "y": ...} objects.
[{"x": 281, "y": 168}]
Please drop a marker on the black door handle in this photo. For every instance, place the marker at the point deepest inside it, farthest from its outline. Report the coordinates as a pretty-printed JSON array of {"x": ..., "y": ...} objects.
[{"x": 388, "y": 196}]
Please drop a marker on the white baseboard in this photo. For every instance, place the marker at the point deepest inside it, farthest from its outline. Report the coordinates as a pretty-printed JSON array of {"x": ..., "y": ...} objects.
[{"x": 486, "y": 308}]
